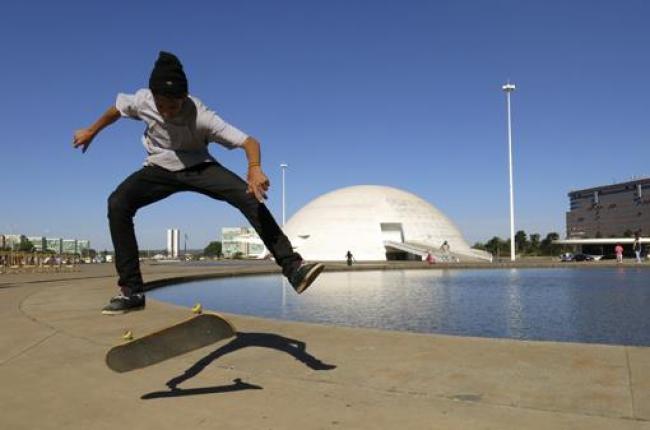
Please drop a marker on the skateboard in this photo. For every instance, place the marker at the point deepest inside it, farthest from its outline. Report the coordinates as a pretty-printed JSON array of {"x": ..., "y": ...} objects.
[{"x": 194, "y": 333}]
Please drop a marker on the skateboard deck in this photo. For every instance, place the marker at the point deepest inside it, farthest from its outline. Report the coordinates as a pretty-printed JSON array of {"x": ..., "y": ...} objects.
[{"x": 194, "y": 333}]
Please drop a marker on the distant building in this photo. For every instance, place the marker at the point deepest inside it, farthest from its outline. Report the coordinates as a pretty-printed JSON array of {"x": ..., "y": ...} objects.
[
  {"x": 75, "y": 246},
  {"x": 84, "y": 245},
  {"x": 54, "y": 245},
  {"x": 11, "y": 241},
  {"x": 173, "y": 242},
  {"x": 615, "y": 210},
  {"x": 242, "y": 241},
  {"x": 39, "y": 243},
  {"x": 43, "y": 244},
  {"x": 375, "y": 223}
]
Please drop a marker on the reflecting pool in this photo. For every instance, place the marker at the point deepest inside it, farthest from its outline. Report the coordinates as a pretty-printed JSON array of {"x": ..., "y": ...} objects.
[{"x": 602, "y": 305}]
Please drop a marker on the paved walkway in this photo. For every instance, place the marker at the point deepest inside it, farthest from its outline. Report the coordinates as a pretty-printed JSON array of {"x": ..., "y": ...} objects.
[{"x": 281, "y": 375}]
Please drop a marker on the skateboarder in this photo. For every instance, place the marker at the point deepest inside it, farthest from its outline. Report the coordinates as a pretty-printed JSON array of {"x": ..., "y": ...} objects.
[{"x": 178, "y": 128}]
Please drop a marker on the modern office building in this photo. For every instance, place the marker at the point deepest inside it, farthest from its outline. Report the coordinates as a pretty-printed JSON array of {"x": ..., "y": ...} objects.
[
  {"x": 375, "y": 223},
  {"x": 39, "y": 243},
  {"x": 74, "y": 246},
  {"x": 10, "y": 241},
  {"x": 69, "y": 246},
  {"x": 43, "y": 244},
  {"x": 609, "y": 211},
  {"x": 173, "y": 242},
  {"x": 54, "y": 245},
  {"x": 243, "y": 242}
]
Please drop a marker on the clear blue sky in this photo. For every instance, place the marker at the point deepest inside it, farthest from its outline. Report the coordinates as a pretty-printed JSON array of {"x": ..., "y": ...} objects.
[{"x": 399, "y": 93}]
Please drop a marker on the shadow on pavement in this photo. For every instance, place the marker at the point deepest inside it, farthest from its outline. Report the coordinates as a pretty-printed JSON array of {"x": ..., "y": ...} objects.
[
  {"x": 293, "y": 347},
  {"x": 238, "y": 385}
]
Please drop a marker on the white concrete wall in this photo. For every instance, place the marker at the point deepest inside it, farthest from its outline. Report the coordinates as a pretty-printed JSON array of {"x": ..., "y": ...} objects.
[{"x": 350, "y": 219}]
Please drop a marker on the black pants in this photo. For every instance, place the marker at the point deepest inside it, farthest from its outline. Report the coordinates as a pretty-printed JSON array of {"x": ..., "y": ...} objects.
[{"x": 152, "y": 183}]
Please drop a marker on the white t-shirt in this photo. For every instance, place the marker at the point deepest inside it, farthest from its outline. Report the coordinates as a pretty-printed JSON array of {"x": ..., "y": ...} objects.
[{"x": 183, "y": 141}]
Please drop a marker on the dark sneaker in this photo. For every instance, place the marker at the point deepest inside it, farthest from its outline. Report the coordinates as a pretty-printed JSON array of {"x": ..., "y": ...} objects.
[
  {"x": 122, "y": 304},
  {"x": 304, "y": 275}
]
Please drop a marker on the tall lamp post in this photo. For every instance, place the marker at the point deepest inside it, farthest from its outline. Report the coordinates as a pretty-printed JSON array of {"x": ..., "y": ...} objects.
[
  {"x": 283, "y": 166},
  {"x": 508, "y": 88}
]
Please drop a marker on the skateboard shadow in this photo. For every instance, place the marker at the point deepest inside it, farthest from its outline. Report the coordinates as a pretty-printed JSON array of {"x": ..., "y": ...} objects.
[
  {"x": 293, "y": 347},
  {"x": 237, "y": 385}
]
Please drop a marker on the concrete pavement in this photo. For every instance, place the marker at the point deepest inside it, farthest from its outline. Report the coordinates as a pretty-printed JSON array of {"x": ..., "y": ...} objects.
[{"x": 287, "y": 375}]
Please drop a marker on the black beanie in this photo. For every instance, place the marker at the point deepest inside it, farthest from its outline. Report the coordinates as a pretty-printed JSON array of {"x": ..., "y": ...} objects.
[{"x": 167, "y": 77}]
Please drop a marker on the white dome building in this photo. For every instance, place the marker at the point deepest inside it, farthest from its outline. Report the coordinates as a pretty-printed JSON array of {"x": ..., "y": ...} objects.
[{"x": 375, "y": 223}]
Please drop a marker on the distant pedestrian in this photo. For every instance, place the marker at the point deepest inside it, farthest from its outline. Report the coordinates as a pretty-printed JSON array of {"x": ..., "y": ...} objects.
[
  {"x": 445, "y": 251},
  {"x": 430, "y": 259},
  {"x": 349, "y": 257},
  {"x": 618, "y": 250},
  {"x": 445, "y": 247},
  {"x": 637, "y": 247}
]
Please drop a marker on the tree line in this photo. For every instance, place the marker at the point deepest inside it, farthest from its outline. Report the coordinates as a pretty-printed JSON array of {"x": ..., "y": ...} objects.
[{"x": 530, "y": 245}]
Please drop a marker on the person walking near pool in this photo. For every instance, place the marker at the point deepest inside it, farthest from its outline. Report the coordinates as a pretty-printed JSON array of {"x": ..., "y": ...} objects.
[
  {"x": 349, "y": 257},
  {"x": 618, "y": 250},
  {"x": 178, "y": 128},
  {"x": 445, "y": 251},
  {"x": 445, "y": 247},
  {"x": 429, "y": 258},
  {"x": 637, "y": 247}
]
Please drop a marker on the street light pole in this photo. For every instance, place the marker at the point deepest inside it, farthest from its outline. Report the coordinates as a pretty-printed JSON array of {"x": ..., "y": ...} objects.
[
  {"x": 508, "y": 88},
  {"x": 283, "y": 166}
]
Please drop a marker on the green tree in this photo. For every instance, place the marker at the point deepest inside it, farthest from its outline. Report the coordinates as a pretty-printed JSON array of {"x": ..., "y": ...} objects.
[
  {"x": 521, "y": 242},
  {"x": 505, "y": 247},
  {"x": 213, "y": 249},
  {"x": 25, "y": 245},
  {"x": 495, "y": 246},
  {"x": 534, "y": 244},
  {"x": 479, "y": 245},
  {"x": 547, "y": 247}
]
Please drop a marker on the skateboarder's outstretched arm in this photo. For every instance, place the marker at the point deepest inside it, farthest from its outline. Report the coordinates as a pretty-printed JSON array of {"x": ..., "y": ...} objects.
[
  {"x": 258, "y": 183},
  {"x": 84, "y": 136}
]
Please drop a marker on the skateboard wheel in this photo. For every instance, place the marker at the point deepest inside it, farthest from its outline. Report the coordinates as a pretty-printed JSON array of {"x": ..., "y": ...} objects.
[
  {"x": 197, "y": 309},
  {"x": 127, "y": 335}
]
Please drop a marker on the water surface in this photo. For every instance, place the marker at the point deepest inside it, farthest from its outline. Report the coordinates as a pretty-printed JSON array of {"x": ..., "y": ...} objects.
[{"x": 603, "y": 305}]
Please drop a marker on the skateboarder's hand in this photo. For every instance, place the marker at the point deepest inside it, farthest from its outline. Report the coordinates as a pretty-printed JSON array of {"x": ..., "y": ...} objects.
[
  {"x": 82, "y": 137},
  {"x": 258, "y": 183}
]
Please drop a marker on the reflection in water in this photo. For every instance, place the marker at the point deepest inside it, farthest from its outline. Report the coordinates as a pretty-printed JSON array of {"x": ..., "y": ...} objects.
[
  {"x": 606, "y": 305},
  {"x": 515, "y": 320},
  {"x": 284, "y": 285}
]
